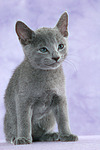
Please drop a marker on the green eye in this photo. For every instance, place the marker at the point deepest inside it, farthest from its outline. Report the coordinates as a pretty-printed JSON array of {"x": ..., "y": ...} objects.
[
  {"x": 43, "y": 50},
  {"x": 61, "y": 46}
]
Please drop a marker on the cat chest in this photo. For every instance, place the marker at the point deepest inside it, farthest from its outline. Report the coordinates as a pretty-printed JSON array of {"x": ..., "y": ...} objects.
[
  {"x": 37, "y": 87},
  {"x": 43, "y": 104},
  {"x": 41, "y": 109},
  {"x": 46, "y": 79}
]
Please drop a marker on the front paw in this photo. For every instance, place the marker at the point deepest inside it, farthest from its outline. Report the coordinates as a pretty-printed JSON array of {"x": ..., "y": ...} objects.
[
  {"x": 49, "y": 137},
  {"x": 67, "y": 138},
  {"x": 21, "y": 140}
]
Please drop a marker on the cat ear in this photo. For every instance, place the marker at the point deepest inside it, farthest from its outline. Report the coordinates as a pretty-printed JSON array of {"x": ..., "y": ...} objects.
[
  {"x": 62, "y": 24},
  {"x": 24, "y": 33}
]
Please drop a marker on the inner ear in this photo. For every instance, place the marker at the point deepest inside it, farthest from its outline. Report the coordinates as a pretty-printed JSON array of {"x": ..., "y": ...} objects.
[
  {"x": 63, "y": 24},
  {"x": 24, "y": 32}
]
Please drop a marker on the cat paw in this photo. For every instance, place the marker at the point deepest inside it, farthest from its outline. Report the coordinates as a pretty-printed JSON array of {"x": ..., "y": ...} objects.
[
  {"x": 50, "y": 137},
  {"x": 21, "y": 140},
  {"x": 67, "y": 138}
]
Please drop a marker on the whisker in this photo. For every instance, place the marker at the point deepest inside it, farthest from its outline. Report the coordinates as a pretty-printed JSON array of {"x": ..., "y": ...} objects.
[
  {"x": 71, "y": 64},
  {"x": 71, "y": 55}
]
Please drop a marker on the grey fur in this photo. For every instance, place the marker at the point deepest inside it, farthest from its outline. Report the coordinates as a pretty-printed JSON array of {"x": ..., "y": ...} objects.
[{"x": 35, "y": 97}]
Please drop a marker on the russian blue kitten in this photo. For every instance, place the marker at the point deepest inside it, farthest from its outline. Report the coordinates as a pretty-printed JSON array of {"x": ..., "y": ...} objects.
[{"x": 35, "y": 97}]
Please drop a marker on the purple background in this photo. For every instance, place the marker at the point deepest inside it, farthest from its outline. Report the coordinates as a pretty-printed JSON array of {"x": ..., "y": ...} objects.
[{"x": 83, "y": 68}]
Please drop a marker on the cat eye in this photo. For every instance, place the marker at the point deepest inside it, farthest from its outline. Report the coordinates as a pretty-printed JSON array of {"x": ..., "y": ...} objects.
[
  {"x": 61, "y": 46},
  {"x": 43, "y": 50}
]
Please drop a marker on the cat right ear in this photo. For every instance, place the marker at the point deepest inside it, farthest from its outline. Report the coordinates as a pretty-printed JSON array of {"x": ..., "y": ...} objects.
[
  {"x": 63, "y": 24},
  {"x": 24, "y": 33}
]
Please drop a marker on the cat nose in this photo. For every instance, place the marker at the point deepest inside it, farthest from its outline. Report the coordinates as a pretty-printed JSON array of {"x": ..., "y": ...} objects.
[{"x": 56, "y": 58}]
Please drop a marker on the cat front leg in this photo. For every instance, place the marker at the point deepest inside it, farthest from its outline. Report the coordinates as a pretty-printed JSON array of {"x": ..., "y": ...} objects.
[
  {"x": 23, "y": 123},
  {"x": 61, "y": 114}
]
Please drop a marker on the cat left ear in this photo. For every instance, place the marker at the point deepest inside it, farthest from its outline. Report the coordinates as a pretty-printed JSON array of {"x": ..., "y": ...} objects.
[
  {"x": 24, "y": 33},
  {"x": 63, "y": 24}
]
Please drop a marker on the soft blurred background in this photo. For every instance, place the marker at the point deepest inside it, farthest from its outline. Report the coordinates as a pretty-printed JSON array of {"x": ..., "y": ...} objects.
[{"x": 82, "y": 67}]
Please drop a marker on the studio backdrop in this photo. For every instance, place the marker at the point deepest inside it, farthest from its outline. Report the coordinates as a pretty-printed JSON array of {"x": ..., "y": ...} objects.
[{"x": 82, "y": 65}]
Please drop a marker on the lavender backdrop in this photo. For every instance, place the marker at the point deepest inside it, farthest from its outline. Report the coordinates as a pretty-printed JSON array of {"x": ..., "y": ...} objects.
[{"x": 83, "y": 68}]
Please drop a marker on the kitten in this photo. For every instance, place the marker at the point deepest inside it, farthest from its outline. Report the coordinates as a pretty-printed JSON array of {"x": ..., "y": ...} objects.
[{"x": 35, "y": 97}]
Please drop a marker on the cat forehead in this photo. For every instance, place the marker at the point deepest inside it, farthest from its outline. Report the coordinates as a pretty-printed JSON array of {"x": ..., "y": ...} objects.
[{"x": 48, "y": 33}]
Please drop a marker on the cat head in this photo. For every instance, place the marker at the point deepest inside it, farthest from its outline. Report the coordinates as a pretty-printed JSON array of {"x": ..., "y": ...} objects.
[{"x": 45, "y": 48}]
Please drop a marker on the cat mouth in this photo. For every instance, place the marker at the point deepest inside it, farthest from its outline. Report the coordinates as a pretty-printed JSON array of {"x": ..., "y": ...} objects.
[{"x": 53, "y": 64}]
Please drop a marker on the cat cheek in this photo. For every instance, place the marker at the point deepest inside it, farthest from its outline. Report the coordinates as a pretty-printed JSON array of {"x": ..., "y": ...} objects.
[{"x": 65, "y": 55}]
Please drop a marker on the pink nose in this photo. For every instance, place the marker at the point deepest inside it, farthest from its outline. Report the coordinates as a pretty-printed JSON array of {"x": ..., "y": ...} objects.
[{"x": 55, "y": 58}]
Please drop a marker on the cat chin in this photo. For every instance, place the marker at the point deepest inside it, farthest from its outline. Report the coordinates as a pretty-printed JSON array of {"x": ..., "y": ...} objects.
[
  {"x": 50, "y": 68},
  {"x": 47, "y": 67}
]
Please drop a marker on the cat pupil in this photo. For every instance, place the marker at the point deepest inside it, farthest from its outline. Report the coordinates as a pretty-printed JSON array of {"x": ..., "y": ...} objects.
[{"x": 61, "y": 46}]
